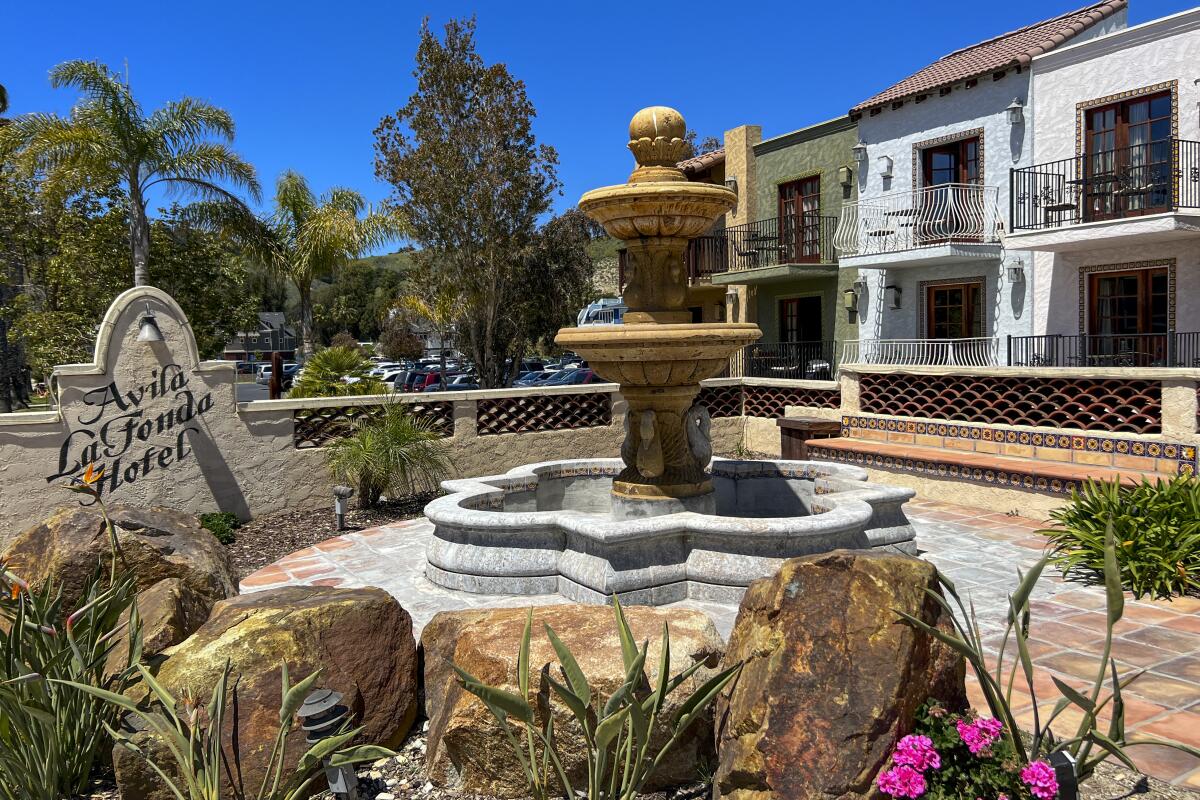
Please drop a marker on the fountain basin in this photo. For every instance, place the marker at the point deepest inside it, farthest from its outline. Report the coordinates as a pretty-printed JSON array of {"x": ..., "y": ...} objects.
[{"x": 548, "y": 527}]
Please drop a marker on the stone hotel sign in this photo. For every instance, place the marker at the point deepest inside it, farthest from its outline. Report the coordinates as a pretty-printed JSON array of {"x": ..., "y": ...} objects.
[{"x": 163, "y": 424}]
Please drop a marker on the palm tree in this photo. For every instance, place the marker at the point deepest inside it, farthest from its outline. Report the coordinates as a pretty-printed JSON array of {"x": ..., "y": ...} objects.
[
  {"x": 108, "y": 138},
  {"x": 3, "y": 99},
  {"x": 311, "y": 237},
  {"x": 437, "y": 304}
]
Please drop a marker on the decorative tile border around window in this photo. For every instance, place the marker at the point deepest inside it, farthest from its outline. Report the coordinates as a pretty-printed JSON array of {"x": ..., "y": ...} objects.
[
  {"x": 918, "y": 180},
  {"x": 532, "y": 413},
  {"x": 1082, "y": 107},
  {"x": 1113, "y": 405},
  {"x": 317, "y": 427},
  {"x": 1094, "y": 451},
  {"x": 1084, "y": 272}
]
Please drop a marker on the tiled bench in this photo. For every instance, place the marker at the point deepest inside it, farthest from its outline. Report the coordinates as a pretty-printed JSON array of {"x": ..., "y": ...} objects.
[{"x": 1001, "y": 471}]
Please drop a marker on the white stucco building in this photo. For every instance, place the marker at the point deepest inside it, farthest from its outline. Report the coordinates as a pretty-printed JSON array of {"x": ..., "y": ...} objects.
[
  {"x": 937, "y": 282},
  {"x": 1111, "y": 206}
]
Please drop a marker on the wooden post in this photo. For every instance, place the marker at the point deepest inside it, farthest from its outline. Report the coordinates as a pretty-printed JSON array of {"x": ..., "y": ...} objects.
[{"x": 276, "y": 384}]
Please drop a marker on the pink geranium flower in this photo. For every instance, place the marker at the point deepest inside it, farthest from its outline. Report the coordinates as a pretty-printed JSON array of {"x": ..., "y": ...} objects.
[
  {"x": 1039, "y": 777},
  {"x": 917, "y": 752},
  {"x": 902, "y": 781},
  {"x": 979, "y": 735}
]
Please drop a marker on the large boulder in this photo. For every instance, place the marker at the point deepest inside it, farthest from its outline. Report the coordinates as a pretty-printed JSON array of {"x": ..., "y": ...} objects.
[
  {"x": 468, "y": 751},
  {"x": 832, "y": 676},
  {"x": 170, "y": 611},
  {"x": 361, "y": 639},
  {"x": 155, "y": 544}
]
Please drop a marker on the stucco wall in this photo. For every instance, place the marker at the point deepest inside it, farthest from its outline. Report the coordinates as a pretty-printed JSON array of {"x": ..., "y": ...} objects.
[
  {"x": 1128, "y": 60},
  {"x": 821, "y": 155},
  {"x": 894, "y": 133},
  {"x": 767, "y": 297}
]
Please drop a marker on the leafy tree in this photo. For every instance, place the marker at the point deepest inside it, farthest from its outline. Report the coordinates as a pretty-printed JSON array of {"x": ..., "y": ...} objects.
[
  {"x": 437, "y": 303},
  {"x": 310, "y": 238},
  {"x": 705, "y": 145},
  {"x": 345, "y": 340},
  {"x": 397, "y": 342},
  {"x": 108, "y": 139},
  {"x": 3, "y": 99},
  {"x": 358, "y": 300},
  {"x": 472, "y": 181}
]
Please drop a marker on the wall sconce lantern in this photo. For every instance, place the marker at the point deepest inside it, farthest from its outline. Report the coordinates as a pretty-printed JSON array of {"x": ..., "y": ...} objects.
[
  {"x": 844, "y": 176},
  {"x": 893, "y": 295},
  {"x": 885, "y": 166},
  {"x": 850, "y": 300},
  {"x": 148, "y": 330},
  {"x": 1016, "y": 112},
  {"x": 860, "y": 152},
  {"x": 731, "y": 184},
  {"x": 1016, "y": 272}
]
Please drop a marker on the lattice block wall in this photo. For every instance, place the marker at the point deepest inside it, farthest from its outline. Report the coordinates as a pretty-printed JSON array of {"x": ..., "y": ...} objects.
[
  {"x": 1100, "y": 404},
  {"x": 315, "y": 427},
  {"x": 531, "y": 413},
  {"x": 721, "y": 401},
  {"x": 770, "y": 401}
]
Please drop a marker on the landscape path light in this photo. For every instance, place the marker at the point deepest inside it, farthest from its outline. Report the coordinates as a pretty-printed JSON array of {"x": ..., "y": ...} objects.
[
  {"x": 341, "y": 494},
  {"x": 321, "y": 716}
]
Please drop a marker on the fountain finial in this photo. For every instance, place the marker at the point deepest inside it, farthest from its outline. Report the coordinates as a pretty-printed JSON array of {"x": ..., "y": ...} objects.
[{"x": 656, "y": 138}]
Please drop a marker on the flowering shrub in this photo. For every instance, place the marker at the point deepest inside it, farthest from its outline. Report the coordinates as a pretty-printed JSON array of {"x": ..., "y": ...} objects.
[{"x": 962, "y": 756}]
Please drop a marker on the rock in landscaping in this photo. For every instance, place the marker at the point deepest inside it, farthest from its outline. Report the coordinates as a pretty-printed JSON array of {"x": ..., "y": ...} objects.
[
  {"x": 361, "y": 639},
  {"x": 155, "y": 544},
  {"x": 467, "y": 749},
  {"x": 170, "y": 611},
  {"x": 832, "y": 676}
]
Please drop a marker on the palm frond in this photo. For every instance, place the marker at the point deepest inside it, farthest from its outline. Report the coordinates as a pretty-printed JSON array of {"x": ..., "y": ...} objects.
[
  {"x": 207, "y": 162},
  {"x": 182, "y": 122}
]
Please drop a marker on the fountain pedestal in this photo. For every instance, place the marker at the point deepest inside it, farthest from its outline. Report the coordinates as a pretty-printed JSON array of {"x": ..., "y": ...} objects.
[{"x": 657, "y": 356}]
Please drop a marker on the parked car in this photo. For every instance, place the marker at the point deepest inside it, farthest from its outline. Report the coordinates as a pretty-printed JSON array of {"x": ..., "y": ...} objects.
[
  {"x": 459, "y": 383},
  {"x": 383, "y": 368},
  {"x": 264, "y": 375},
  {"x": 572, "y": 377},
  {"x": 538, "y": 379}
]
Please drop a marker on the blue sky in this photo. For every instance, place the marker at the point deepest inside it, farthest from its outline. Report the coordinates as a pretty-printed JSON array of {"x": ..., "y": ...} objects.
[{"x": 307, "y": 82}]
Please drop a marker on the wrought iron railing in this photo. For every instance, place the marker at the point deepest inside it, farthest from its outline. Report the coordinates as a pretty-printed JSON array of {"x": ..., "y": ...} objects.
[
  {"x": 804, "y": 239},
  {"x": 975, "y": 352},
  {"x": 1131, "y": 181},
  {"x": 950, "y": 213},
  {"x": 1170, "y": 349},
  {"x": 816, "y": 360}
]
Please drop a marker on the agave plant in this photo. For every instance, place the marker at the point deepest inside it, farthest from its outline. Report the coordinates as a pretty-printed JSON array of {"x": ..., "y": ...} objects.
[
  {"x": 616, "y": 730},
  {"x": 193, "y": 739},
  {"x": 1089, "y": 745}
]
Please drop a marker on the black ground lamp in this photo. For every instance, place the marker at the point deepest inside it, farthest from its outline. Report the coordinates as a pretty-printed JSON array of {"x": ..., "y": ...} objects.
[{"x": 321, "y": 716}]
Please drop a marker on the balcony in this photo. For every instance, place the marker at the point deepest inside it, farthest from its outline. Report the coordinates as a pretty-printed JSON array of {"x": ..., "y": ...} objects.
[
  {"x": 1171, "y": 349},
  {"x": 813, "y": 361},
  {"x": 977, "y": 352},
  {"x": 946, "y": 223},
  {"x": 1146, "y": 192},
  {"x": 779, "y": 249}
]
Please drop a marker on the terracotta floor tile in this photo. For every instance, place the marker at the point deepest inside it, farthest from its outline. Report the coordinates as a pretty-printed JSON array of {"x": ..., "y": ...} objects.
[
  {"x": 1189, "y": 623},
  {"x": 1076, "y": 664},
  {"x": 1183, "y": 605},
  {"x": 333, "y": 545},
  {"x": 1149, "y": 614},
  {"x": 312, "y": 571},
  {"x": 1185, "y": 667},
  {"x": 1182, "y": 726},
  {"x": 1168, "y": 691},
  {"x": 1191, "y": 780},
  {"x": 333, "y": 582},
  {"x": 1175, "y": 641},
  {"x": 1064, "y": 634},
  {"x": 1051, "y": 611},
  {"x": 1079, "y": 599},
  {"x": 1164, "y": 763},
  {"x": 1130, "y": 652}
]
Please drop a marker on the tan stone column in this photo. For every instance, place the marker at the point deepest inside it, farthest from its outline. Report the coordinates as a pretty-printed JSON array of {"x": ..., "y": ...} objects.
[
  {"x": 1179, "y": 409},
  {"x": 849, "y": 387},
  {"x": 464, "y": 419},
  {"x": 739, "y": 166}
]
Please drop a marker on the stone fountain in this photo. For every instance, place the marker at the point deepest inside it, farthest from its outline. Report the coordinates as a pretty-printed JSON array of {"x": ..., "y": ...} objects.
[{"x": 665, "y": 521}]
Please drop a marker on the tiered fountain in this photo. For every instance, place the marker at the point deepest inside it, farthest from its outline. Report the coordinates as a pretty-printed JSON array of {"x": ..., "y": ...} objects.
[{"x": 664, "y": 521}]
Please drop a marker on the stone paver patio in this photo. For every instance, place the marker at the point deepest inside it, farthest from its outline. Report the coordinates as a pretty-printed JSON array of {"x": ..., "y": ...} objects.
[{"x": 977, "y": 549}]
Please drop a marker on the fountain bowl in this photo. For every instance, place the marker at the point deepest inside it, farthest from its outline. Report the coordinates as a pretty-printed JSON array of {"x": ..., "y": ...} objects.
[{"x": 549, "y": 528}]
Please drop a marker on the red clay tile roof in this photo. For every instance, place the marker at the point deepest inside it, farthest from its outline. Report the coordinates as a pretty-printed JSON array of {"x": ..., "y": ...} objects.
[
  {"x": 702, "y": 162},
  {"x": 1014, "y": 49}
]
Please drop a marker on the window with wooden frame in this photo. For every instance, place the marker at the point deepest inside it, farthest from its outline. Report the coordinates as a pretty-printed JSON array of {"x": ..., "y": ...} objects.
[
  {"x": 953, "y": 162},
  {"x": 949, "y": 205},
  {"x": 800, "y": 221},
  {"x": 800, "y": 319},
  {"x": 954, "y": 311},
  {"x": 1128, "y": 314},
  {"x": 1127, "y": 157}
]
